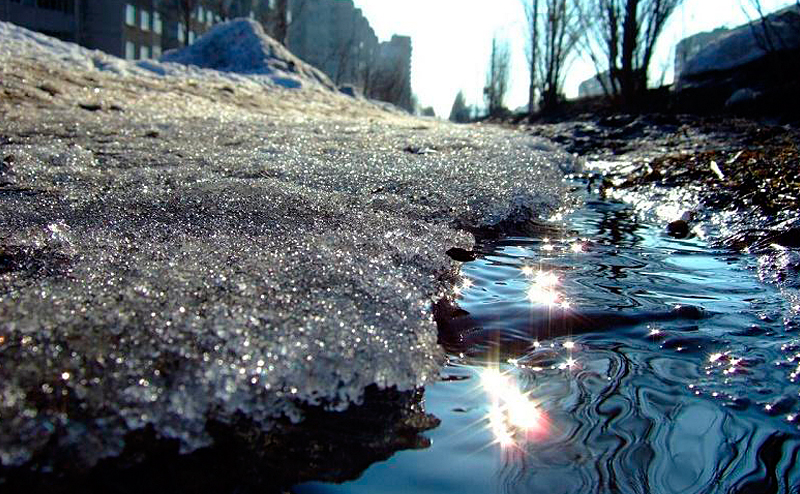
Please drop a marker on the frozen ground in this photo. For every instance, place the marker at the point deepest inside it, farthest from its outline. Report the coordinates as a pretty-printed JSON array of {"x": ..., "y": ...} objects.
[{"x": 179, "y": 245}]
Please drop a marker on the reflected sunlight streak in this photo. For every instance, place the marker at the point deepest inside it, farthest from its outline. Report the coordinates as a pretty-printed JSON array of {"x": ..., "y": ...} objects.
[
  {"x": 513, "y": 417},
  {"x": 542, "y": 291}
]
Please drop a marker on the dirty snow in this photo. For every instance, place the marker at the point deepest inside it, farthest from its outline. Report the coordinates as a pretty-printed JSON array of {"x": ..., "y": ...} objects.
[
  {"x": 242, "y": 47},
  {"x": 187, "y": 247},
  {"x": 239, "y": 50}
]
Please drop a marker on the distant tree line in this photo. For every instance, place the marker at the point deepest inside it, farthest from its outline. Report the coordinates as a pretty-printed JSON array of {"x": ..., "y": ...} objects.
[{"x": 618, "y": 36}]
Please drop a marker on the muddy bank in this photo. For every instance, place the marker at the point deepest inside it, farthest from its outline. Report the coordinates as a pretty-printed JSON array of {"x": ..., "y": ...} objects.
[{"x": 745, "y": 167}]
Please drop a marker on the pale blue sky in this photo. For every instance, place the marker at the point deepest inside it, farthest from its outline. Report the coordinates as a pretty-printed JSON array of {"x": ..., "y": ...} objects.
[{"x": 452, "y": 39}]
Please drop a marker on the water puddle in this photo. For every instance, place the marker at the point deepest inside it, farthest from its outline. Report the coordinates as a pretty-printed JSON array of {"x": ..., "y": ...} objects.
[{"x": 583, "y": 378}]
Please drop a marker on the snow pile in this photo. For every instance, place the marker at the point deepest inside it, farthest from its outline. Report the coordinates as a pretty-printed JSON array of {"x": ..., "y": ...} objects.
[
  {"x": 160, "y": 269},
  {"x": 241, "y": 46},
  {"x": 236, "y": 51},
  {"x": 17, "y": 41},
  {"x": 745, "y": 44}
]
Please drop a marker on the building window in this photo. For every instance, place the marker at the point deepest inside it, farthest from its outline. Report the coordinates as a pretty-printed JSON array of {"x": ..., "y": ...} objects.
[
  {"x": 156, "y": 51},
  {"x": 66, "y": 6},
  {"x": 158, "y": 27},
  {"x": 191, "y": 37},
  {"x": 209, "y": 17},
  {"x": 144, "y": 18},
  {"x": 130, "y": 14},
  {"x": 200, "y": 14},
  {"x": 144, "y": 51},
  {"x": 130, "y": 50}
]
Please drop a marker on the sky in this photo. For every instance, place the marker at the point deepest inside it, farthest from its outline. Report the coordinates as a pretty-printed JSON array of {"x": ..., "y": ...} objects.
[{"x": 451, "y": 42}]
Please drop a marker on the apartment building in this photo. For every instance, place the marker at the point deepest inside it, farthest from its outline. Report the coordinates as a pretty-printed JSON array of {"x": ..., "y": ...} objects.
[
  {"x": 132, "y": 29},
  {"x": 333, "y": 36},
  {"x": 57, "y": 18}
]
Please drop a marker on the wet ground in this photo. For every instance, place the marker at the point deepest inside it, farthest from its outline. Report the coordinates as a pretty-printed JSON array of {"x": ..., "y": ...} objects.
[{"x": 742, "y": 166}]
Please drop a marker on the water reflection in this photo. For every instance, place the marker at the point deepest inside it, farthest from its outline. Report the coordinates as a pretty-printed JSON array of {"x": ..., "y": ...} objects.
[
  {"x": 513, "y": 417},
  {"x": 543, "y": 289},
  {"x": 677, "y": 406},
  {"x": 623, "y": 404}
]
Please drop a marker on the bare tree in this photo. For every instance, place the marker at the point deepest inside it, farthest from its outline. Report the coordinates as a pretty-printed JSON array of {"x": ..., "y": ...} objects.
[
  {"x": 390, "y": 83},
  {"x": 183, "y": 10},
  {"x": 621, "y": 37},
  {"x": 367, "y": 69},
  {"x": 554, "y": 28},
  {"x": 280, "y": 18},
  {"x": 531, "y": 8},
  {"x": 459, "y": 112},
  {"x": 228, "y": 9},
  {"x": 767, "y": 37},
  {"x": 345, "y": 55},
  {"x": 497, "y": 77},
  {"x": 561, "y": 33}
]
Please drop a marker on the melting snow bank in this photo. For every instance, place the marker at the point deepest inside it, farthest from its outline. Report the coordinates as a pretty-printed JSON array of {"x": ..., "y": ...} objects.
[
  {"x": 237, "y": 51},
  {"x": 200, "y": 255},
  {"x": 241, "y": 46}
]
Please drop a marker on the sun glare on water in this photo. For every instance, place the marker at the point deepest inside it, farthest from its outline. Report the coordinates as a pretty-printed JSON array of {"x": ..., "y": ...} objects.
[
  {"x": 543, "y": 287},
  {"x": 513, "y": 417}
]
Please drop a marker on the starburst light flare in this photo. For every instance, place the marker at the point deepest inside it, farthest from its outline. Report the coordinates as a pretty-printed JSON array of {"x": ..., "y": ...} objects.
[{"x": 513, "y": 417}]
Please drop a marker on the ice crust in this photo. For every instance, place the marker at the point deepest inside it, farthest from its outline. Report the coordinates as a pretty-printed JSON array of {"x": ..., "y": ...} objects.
[{"x": 200, "y": 254}]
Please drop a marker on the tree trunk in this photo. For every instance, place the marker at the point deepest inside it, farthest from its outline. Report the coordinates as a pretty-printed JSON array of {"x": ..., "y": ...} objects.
[
  {"x": 281, "y": 21},
  {"x": 534, "y": 28},
  {"x": 630, "y": 35},
  {"x": 187, "y": 24}
]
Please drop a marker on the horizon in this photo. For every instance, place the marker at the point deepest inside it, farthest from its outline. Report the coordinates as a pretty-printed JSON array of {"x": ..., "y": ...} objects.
[{"x": 451, "y": 56}]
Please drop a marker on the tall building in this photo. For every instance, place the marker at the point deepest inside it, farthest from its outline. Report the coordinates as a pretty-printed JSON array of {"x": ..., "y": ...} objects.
[
  {"x": 335, "y": 37},
  {"x": 54, "y": 18},
  {"x": 687, "y": 48}
]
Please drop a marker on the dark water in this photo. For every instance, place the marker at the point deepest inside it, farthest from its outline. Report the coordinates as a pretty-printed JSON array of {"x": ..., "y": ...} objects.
[{"x": 683, "y": 406}]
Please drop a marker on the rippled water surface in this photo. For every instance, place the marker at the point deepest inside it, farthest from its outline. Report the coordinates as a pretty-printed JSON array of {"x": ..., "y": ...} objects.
[{"x": 652, "y": 406}]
